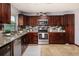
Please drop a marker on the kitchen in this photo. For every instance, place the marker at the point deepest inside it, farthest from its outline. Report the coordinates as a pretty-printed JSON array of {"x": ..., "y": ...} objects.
[{"x": 21, "y": 27}]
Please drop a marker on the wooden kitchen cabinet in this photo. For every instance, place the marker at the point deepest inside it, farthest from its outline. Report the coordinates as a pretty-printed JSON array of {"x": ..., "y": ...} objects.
[
  {"x": 70, "y": 34},
  {"x": 27, "y": 20},
  {"x": 67, "y": 21},
  {"x": 21, "y": 20},
  {"x": 50, "y": 20},
  {"x": 33, "y": 20},
  {"x": 0, "y": 13},
  {"x": 33, "y": 38},
  {"x": 69, "y": 28},
  {"x": 56, "y": 38},
  {"x": 55, "y": 20},
  {"x": 62, "y": 21},
  {"x": 58, "y": 20},
  {"x": 5, "y": 13},
  {"x": 6, "y": 50},
  {"x": 50, "y": 38}
]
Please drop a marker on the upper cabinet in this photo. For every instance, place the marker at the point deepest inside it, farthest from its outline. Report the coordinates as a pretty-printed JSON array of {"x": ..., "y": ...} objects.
[
  {"x": 5, "y": 13},
  {"x": 69, "y": 19},
  {"x": 50, "y": 20},
  {"x": 23, "y": 19},
  {"x": 55, "y": 20},
  {"x": 0, "y": 13},
  {"x": 33, "y": 20},
  {"x": 27, "y": 20}
]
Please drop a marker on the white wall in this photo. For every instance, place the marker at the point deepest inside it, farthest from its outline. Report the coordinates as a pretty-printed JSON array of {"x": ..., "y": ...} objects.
[
  {"x": 77, "y": 27},
  {"x": 14, "y": 11}
]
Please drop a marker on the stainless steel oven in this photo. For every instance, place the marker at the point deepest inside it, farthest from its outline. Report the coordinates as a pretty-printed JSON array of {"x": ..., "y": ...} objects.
[{"x": 43, "y": 38}]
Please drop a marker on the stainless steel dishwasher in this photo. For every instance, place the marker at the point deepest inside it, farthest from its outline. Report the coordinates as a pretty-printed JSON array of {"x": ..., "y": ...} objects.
[{"x": 17, "y": 47}]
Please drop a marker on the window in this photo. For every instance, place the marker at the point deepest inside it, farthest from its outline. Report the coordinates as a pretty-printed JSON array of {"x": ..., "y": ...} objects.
[{"x": 13, "y": 20}]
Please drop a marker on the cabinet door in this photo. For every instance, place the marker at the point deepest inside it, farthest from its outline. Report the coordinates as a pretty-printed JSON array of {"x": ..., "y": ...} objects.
[
  {"x": 70, "y": 18},
  {"x": 50, "y": 38},
  {"x": 55, "y": 20},
  {"x": 27, "y": 20},
  {"x": 59, "y": 38},
  {"x": 70, "y": 28},
  {"x": 6, "y": 12},
  {"x": 62, "y": 22},
  {"x": 56, "y": 38},
  {"x": 0, "y": 13},
  {"x": 20, "y": 19},
  {"x": 33, "y": 20},
  {"x": 33, "y": 38},
  {"x": 50, "y": 20},
  {"x": 6, "y": 50},
  {"x": 70, "y": 34}
]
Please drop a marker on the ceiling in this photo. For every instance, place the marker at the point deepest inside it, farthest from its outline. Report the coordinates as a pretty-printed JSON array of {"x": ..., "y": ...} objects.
[{"x": 46, "y": 7}]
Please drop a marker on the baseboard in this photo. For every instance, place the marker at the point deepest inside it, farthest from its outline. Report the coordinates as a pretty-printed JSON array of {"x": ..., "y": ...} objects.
[{"x": 76, "y": 45}]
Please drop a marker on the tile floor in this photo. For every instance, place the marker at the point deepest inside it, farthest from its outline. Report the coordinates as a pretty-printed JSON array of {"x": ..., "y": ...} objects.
[
  {"x": 52, "y": 50},
  {"x": 33, "y": 50}
]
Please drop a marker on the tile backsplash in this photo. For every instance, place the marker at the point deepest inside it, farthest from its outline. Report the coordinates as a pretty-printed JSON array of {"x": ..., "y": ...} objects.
[
  {"x": 32, "y": 29},
  {"x": 50, "y": 29},
  {"x": 56, "y": 29}
]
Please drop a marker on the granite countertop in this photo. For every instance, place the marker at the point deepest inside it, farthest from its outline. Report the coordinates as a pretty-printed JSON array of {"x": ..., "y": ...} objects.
[{"x": 5, "y": 40}]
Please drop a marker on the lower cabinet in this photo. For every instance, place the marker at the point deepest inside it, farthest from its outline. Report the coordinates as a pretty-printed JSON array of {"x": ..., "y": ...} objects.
[
  {"x": 6, "y": 50},
  {"x": 70, "y": 34},
  {"x": 57, "y": 38},
  {"x": 32, "y": 38}
]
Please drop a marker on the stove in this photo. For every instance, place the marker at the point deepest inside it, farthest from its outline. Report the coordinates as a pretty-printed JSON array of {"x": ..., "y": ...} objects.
[{"x": 43, "y": 38}]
